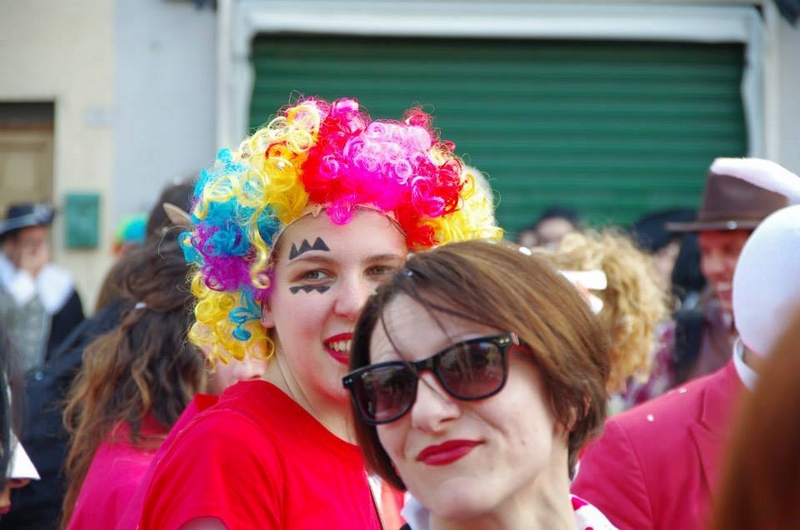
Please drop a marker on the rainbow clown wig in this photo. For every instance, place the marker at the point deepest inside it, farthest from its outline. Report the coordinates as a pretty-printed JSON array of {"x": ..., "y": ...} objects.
[{"x": 316, "y": 157}]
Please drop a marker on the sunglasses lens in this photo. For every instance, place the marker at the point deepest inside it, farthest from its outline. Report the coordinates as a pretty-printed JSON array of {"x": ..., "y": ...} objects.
[
  {"x": 386, "y": 392},
  {"x": 473, "y": 370}
]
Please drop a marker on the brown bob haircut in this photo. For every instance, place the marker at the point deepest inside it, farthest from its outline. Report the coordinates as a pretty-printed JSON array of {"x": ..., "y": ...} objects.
[{"x": 496, "y": 284}]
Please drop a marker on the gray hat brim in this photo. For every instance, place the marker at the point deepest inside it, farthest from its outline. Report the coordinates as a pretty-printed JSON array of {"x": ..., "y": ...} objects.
[
  {"x": 25, "y": 221},
  {"x": 712, "y": 226}
]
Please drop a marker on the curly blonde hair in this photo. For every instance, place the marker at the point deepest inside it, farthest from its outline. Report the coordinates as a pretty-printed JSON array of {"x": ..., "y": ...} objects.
[{"x": 633, "y": 302}]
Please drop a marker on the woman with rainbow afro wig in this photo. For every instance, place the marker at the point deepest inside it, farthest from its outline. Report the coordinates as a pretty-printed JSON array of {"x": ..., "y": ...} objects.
[{"x": 292, "y": 233}]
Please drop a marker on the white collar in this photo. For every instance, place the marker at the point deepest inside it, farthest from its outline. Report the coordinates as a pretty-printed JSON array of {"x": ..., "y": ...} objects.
[
  {"x": 586, "y": 516},
  {"x": 415, "y": 514},
  {"x": 7, "y": 270},
  {"x": 748, "y": 376},
  {"x": 53, "y": 285}
]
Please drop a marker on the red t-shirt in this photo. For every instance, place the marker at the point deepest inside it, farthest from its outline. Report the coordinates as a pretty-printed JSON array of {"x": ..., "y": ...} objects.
[{"x": 259, "y": 460}]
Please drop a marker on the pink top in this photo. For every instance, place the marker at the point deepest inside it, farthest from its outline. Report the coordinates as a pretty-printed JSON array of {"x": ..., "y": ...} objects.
[
  {"x": 130, "y": 519},
  {"x": 657, "y": 465},
  {"x": 113, "y": 476}
]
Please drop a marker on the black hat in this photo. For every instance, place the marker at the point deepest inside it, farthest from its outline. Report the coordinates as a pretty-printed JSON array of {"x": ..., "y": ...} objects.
[
  {"x": 650, "y": 231},
  {"x": 26, "y": 214}
]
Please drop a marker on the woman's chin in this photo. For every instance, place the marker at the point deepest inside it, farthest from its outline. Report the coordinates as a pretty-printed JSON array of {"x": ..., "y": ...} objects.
[
  {"x": 340, "y": 397},
  {"x": 456, "y": 504}
]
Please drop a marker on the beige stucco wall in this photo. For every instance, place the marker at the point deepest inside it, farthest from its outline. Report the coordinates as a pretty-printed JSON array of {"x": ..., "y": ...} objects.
[{"x": 52, "y": 50}]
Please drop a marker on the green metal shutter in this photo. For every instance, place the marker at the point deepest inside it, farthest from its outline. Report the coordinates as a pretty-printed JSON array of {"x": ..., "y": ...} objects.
[{"x": 614, "y": 129}]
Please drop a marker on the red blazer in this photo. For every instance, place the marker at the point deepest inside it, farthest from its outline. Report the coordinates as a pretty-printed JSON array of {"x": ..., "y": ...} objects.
[{"x": 656, "y": 465}]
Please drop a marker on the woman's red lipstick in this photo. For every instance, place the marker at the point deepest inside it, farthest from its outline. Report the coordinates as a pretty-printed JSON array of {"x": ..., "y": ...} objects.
[
  {"x": 342, "y": 357},
  {"x": 446, "y": 453}
]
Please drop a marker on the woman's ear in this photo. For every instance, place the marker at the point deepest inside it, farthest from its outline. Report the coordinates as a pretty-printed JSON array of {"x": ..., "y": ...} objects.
[
  {"x": 267, "y": 319},
  {"x": 574, "y": 416}
]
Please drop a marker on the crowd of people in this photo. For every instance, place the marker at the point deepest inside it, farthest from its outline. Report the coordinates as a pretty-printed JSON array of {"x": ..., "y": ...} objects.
[{"x": 328, "y": 328}]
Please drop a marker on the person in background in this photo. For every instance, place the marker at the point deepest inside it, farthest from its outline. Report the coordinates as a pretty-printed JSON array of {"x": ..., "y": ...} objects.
[
  {"x": 553, "y": 224},
  {"x": 179, "y": 194},
  {"x": 759, "y": 485},
  {"x": 222, "y": 374},
  {"x": 634, "y": 310},
  {"x": 16, "y": 468},
  {"x": 134, "y": 384},
  {"x": 38, "y": 506},
  {"x": 730, "y": 210},
  {"x": 657, "y": 465},
  {"x": 155, "y": 224},
  {"x": 688, "y": 283},
  {"x": 677, "y": 261},
  {"x": 18, "y": 473},
  {"x": 38, "y": 299},
  {"x": 6, "y": 443},
  {"x": 675, "y": 256},
  {"x": 478, "y": 372},
  {"x": 292, "y": 232},
  {"x": 130, "y": 233}
]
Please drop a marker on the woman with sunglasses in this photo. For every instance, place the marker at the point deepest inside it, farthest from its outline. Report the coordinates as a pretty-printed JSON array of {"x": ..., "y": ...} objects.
[
  {"x": 478, "y": 374},
  {"x": 292, "y": 232}
]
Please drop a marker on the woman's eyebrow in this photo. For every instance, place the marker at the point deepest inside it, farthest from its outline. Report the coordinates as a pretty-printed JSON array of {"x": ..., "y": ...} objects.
[
  {"x": 322, "y": 258},
  {"x": 386, "y": 257}
]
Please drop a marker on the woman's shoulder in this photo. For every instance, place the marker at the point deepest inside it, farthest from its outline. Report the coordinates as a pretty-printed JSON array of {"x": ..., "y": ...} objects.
[
  {"x": 256, "y": 423},
  {"x": 274, "y": 412},
  {"x": 258, "y": 403},
  {"x": 246, "y": 417},
  {"x": 221, "y": 425},
  {"x": 257, "y": 398}
]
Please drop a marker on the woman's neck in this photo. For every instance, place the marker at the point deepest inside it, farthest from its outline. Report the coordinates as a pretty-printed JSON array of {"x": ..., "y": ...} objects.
[
  {"x": 543, "y": 505},
  {"x": 332, "y": 414}
]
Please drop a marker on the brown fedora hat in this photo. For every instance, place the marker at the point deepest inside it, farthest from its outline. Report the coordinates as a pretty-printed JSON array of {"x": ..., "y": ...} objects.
[{"x": 731, "y": 204}]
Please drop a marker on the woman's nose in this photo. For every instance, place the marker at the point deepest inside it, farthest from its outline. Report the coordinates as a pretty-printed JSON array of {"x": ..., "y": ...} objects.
[
  {"x": 434, "y": 407},
  {"x": 351, "y": 297}
]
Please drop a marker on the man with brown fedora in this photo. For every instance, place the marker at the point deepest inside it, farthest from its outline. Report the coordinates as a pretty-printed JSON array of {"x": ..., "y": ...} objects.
[
  {"x": 656, "y": 466},
  {"x": 731, "y": 209},
  {"x": 38, "y": 302}
]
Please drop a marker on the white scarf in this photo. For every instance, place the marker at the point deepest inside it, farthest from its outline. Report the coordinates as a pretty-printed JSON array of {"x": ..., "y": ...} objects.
[{"x": 53, "y": 285}]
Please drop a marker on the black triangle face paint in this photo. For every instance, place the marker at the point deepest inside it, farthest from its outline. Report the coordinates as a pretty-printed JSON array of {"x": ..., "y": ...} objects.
[
  {"x": 309, "y": 288},
  {"x": 305, "y": 246}
]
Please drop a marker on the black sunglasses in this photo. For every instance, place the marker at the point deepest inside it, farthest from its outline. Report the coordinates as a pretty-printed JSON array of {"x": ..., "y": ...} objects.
[{"x": 470, "y": 370}]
